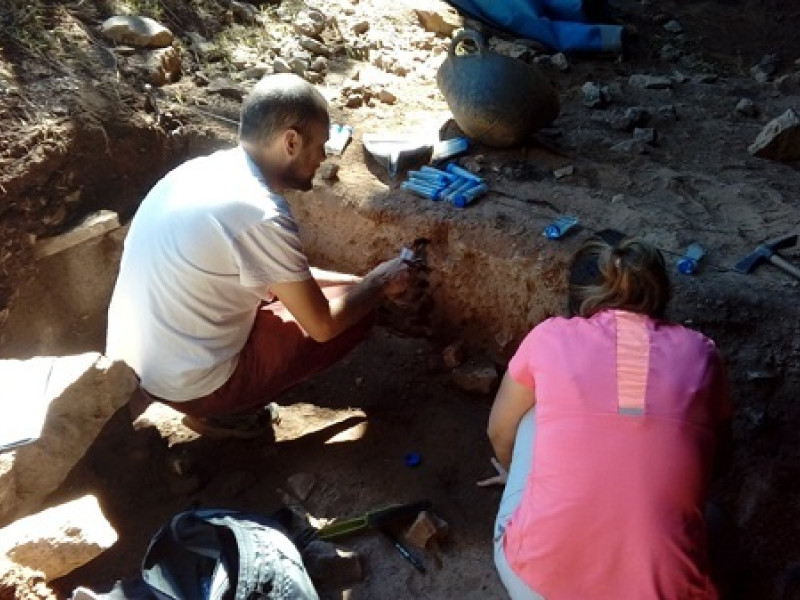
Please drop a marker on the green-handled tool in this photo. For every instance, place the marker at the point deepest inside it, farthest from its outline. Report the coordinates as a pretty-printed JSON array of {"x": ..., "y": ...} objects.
[
  {"x": 380, "y": 519},
  {"x": 374, "y": 519}
]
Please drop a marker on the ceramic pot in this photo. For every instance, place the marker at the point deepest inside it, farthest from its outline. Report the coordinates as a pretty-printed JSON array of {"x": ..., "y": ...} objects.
[{"x": 495, "y": 99}]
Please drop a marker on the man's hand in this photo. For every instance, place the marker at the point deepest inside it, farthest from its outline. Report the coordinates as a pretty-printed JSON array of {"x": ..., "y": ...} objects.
[
  {"x": 499, "y": 479},
  {"x": 393, "y": 276}
]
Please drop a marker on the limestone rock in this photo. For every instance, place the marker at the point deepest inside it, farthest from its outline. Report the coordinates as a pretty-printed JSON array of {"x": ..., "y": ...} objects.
[
  {"x": 442, "y": 22},
  {"x": 453, "y": 355},
  {"x": 331, "y": 565},
  {"x": 301, "y": 484},
  {"x": 560, "y": 62},
  {"x": 244, "y": 12},
  {"x": 646, "y": 134},
  {"x": 163, "y": 66},
  {"x": 138, "y": 31},
  {"x": 632, "y": 146},
  {"x": 22, "y": 583},
  {"x": 780, "y": 138},
  {"x": 426, "y": 528},
  {"x": 226, "y": 88},
  {"x": 314, "y": 21},
  {"x": 477, "y": 377},
  {"x": 156, "y": 67},
  {"x": 319, "y": 65},
  {"x": 564, "y": 172},
  {"x": 596, "y": 95},
  {"x": 80, "y": 394},
  {"x": 328, "y": 171},
  {"x": 281, "y": 65},
  {"x": 60, "y": 539},
  {"x": 650, "y": 82},
  {"x": 308, "y": 25},
  {"x": 316, "y": 48},
  {"x": 387, "y": 97},
  {"x": 360, "y": 28}
]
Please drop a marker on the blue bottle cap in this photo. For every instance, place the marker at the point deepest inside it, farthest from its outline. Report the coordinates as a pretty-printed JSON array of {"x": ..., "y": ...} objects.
[
  {"x": 552, "y": 232},
  {"x": 413, "y": 459},
  {"x": 687, "y": 266}
]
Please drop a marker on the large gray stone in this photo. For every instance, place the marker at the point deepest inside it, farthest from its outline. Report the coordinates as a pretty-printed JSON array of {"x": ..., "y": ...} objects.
[
  {"x": 62, "y": 311},
  {"x": 780, "y": 138},
  {"x": 137, "y": 31},
  {"x": 78, "y": 395},
  {"x": 58, "y": 540}
]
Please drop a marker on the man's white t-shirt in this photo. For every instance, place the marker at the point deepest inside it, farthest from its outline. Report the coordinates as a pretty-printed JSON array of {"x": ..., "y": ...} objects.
[{"x": 202, "y": 251}]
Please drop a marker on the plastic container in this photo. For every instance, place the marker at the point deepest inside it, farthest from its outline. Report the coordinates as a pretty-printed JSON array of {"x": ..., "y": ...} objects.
[
  {"x": 447, "y": 149},
  {"x": 425, "y": 189},
  {"x": 688, "y": 263},
  {"x": 437, "y": 178},
  {"x": 558, "y": 228},
  {"x": 338, "y": 136},
  {"x": 459, "y": 186},
  {"x": 435, "y": 171},
  {"x": 461, "y": 172},
  {"x": 462, "y": 199}
]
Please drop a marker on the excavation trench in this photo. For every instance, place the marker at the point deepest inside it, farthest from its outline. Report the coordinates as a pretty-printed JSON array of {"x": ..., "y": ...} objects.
[
  {"x": 493, "y": 276},
  {"x": 492, "y": 273},
  {"x": 490, "y": 277}
]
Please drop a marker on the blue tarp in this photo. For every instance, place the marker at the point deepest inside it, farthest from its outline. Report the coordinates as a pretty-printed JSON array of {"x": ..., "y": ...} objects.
[{"x": 559, "y": 24}]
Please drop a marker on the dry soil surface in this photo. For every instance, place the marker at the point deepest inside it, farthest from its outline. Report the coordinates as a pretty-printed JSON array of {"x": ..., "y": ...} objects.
[{"x": 80, "y": 131}]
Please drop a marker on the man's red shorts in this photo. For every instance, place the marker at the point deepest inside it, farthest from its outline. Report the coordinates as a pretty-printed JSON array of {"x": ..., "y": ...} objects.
[{"x": 278, "y": 355}]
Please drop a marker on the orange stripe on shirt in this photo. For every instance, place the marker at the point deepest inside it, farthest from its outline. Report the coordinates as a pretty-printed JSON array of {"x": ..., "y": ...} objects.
[{"x": 633, "y": 358}]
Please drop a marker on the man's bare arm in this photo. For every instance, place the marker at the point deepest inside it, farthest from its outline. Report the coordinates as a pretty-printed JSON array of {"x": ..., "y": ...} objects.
[
  {"x": 324, "y": 277},
  {"x": 322, "y": 319}
]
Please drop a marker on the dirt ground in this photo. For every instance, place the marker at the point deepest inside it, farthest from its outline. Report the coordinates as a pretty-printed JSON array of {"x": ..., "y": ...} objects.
[{"x": 75, "y": 136}]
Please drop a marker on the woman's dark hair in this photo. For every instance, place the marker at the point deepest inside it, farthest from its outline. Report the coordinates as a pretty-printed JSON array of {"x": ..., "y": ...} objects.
[
  {"x": 613, "y": 271},
  {"x": 277, "y": 103}
]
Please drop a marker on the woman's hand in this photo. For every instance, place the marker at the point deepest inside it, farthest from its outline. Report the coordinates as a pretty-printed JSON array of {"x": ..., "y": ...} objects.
[{"x": 499, "y": 479}]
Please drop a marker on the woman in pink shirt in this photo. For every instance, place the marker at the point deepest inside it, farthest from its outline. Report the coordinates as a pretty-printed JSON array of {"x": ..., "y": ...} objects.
[{"x": 609, "y": 475}]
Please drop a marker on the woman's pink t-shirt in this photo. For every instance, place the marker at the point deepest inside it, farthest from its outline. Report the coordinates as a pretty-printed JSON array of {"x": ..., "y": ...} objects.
[{"x": 626, "y": 413}]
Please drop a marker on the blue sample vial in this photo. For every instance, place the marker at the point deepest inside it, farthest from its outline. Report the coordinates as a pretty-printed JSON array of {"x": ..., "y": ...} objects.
[
  {"x": 424, "y": 189},
  {"x": 437, "y": 178},
  {"x": 459, "y": 186},
  {"x": 558, "y": 228},
  {"x": 461, "y": 199},
  {"x": 688, "y": 263},
  {"x": 460, "y": 172},
  {"x": 435, "y": 171}
]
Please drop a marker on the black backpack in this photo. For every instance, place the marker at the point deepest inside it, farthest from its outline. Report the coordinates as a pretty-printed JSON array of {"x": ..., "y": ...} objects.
[{"x": 217, "y": 554}]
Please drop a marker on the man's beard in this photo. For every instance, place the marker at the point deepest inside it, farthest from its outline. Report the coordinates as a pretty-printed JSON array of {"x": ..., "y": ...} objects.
[{"x": 294, "y": 180}]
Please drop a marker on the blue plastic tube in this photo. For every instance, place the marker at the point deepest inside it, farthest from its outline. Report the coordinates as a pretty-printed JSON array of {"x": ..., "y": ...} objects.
[
  {"x": 432, "y": 192},
  {"x": 456, "y": 170},
  {"x": 460, "y": 200}
]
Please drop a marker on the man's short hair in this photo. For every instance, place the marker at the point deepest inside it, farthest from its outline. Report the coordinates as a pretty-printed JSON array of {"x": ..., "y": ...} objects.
[{"x": 277, "y": 103}]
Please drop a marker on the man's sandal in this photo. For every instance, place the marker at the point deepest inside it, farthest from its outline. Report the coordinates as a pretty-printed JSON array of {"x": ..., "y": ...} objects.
[{"x": 243, "y": 426}]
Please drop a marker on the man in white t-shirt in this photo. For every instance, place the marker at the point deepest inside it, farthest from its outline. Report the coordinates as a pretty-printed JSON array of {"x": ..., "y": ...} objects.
[{"x": 216, "y": 307}]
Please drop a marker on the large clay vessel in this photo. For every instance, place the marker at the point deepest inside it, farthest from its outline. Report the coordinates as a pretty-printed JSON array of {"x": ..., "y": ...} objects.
[{"x": 495, "y": 99}]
